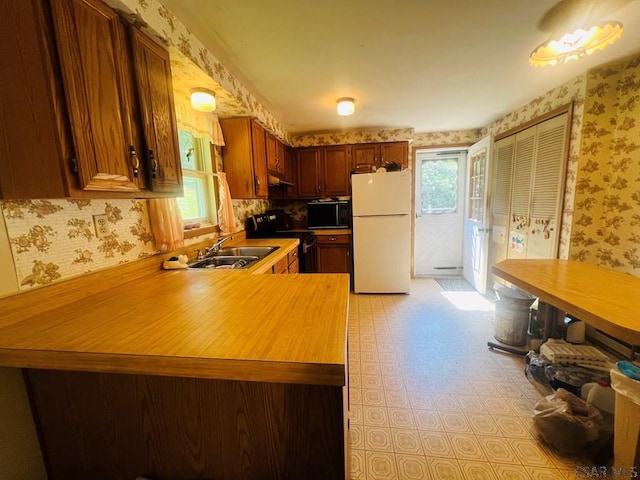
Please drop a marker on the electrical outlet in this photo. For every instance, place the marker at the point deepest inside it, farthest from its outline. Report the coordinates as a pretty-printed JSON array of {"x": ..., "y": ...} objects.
[{"x": 101, "y": 222}]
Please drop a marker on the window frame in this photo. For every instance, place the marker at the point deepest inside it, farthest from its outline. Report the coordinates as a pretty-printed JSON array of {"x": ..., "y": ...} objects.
[{"x": 205, "y": 169}]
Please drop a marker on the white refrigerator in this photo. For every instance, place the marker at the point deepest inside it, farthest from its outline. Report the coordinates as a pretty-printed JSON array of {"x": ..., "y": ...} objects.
[{"x": 381, "y": 205}]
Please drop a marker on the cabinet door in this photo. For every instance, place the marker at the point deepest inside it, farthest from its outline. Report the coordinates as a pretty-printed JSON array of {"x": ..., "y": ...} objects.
[
  {"x": 308, "y": 173},
  {"x": 31, "y": 142},
  {"x": 365, "y": 153},
  {"x": 153, "y": 81},
  {"x": 396, "y": 152},
  {"x": 334, "y": 258},
  {"x": 93, "y": 52},
  {"x": 259, "y": 150},
  {"x": 272, "y": 155},
  {"x": 280, "y": 158},
  {"x": 336, "y": 168}
]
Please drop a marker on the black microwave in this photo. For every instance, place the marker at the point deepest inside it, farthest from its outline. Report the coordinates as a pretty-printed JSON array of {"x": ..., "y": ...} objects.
[{"x": 332, "y": 214}]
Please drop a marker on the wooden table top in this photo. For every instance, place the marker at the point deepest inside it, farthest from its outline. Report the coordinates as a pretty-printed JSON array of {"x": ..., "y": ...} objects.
[
  {"x": 603, "y": 298},
  {"x": 190, "y": 323}
]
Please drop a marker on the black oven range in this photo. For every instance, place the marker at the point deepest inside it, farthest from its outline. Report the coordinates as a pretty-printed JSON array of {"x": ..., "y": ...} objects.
[{"x": 278, "y": 224}]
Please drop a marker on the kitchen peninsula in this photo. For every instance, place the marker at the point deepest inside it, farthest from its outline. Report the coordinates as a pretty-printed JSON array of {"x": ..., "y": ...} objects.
[{"x": 185, "y": 374}]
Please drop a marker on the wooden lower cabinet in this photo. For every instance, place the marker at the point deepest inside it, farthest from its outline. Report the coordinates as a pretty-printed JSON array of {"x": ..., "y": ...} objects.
[
  {"x": 292, "y": 259},
  {"x": 288, "y": 264},
  {"x": 282, "y": 266},
  {"x": 334, "y": 253},
  {"x": 118, "y": 427}
]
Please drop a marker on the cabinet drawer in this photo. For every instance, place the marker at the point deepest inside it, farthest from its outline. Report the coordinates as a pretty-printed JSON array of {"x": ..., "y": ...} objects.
[
  {"x": 282, "y": 266},
  {"x": 294, "y": 267},
  {"x": 333, "y": 239},
  {"x": 292, "y": 256}
]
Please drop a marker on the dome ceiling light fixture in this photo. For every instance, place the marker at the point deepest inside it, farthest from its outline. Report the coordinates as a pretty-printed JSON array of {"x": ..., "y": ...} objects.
[
  {"x": 576, "y": 30},
  {"x": 203, "y": 100},
  {"x": 346, "y": 106}
]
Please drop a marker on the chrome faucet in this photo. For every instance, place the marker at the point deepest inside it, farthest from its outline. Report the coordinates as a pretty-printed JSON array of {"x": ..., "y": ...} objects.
[{"x": 216, "y": 246}]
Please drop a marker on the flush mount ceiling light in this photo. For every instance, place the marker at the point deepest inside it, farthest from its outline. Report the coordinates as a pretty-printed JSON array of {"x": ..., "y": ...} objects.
[
  {"x": 203, "y": 100},
  {"x": 576, "y": 28},
  {"x": 346, "y": 106},
  {"x": 577, "y": 44}
]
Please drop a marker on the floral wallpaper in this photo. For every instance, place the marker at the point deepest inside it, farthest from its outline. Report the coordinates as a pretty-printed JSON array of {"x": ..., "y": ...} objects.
[
  {"x": 245, "y": 208},
  {"x": 572, "y": 91},
  {"x": 52, "y": 240},
  {"x": 352, "y": 136},
  {"x": 606, "y": 224},
  {"x": 55, "y": 239},
  {"x": 456, "y": 137}
]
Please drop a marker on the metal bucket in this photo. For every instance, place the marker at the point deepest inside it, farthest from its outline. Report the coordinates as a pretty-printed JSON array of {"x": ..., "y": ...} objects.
[{"x": 512, "y": 315}]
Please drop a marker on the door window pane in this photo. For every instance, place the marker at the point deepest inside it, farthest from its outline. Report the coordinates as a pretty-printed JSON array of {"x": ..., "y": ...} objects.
[
  {"x": 439, "y": 186},
  {"x": 476, "y": 186}
]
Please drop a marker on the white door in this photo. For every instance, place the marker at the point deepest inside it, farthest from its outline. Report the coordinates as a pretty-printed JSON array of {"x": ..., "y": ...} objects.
[
  {"x": 477, "y": 222},
  {"x": 440, "y": 196}
]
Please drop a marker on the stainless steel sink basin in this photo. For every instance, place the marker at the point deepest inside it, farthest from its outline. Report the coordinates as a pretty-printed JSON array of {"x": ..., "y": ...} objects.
[
  {"x": 243, "y": 251},
  {"x": 231, "y": 262}
]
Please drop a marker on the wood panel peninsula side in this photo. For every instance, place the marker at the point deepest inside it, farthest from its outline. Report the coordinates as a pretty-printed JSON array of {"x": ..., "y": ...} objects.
[{"x": 186, "y": 374}]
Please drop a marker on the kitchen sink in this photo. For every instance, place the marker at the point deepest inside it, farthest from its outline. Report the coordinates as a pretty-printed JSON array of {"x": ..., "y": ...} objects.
[
  {"x": 244, "y": 251},
  {"x": 230, "y": 262}
]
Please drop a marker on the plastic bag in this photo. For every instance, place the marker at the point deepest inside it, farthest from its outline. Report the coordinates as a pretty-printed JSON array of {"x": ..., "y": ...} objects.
[{"x": 566, "y": 422}]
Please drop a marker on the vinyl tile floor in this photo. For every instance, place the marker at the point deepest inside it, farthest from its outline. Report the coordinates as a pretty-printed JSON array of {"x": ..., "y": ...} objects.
[{"x": 430, "y": 400}]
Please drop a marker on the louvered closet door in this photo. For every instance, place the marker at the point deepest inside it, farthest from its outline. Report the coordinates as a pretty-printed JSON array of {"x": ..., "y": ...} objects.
[
  {"x": 525, "y": 146},
  {"x": 547, "y": 188},
  {"x": 503, "y": 151}
]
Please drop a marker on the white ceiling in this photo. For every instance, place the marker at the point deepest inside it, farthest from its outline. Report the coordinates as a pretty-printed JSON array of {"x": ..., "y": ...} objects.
[{"x": 432, "y": 65}]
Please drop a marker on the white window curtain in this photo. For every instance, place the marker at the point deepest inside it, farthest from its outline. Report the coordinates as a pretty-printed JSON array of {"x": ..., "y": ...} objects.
[{"x": 166, "y": 224}]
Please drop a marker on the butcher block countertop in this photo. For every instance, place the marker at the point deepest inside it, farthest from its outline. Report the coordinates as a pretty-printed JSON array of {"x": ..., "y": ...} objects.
[
  {"x": 601, "y": 297},
  {"x": 138, "y": 319}
]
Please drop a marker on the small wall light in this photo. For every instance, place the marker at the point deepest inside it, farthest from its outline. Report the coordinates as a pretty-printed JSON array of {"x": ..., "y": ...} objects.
[
  {"x": 346, "y": 106},
  {"x": 203, "y": 100}
]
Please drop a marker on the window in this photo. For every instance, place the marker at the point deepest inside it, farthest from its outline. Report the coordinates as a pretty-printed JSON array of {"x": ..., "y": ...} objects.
[
  {"x": 198, "y": 206},
  {"x": 439, "y": 185}
]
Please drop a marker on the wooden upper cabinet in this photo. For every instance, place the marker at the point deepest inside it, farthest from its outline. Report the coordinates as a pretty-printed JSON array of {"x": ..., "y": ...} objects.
[
  {"x": 258, "y": 142},
  {"x": 309, "y": 172},
  {"x": 365, "y": 153},
  {"x": 379, "y": 154},
  {"x": 34, "y": 143},
  {"x": 73, "y": 122},
  {"x": 91, "y": 43},
  {"x": 153, "y": 81},
  {"x": 275, "y": 156},
  {"x": 336, "y": 167},
  {"x": 272, "y": 154},
  {"x": 245, "y": 157},
  {"x": 394, "y": 152}
]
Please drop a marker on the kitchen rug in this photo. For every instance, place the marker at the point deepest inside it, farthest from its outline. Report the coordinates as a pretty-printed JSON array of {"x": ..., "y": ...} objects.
[{"x": 454, "y": 284}]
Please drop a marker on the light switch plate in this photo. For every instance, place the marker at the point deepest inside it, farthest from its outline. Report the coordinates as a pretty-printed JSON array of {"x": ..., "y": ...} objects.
[{"x": 101, "y": 223}]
